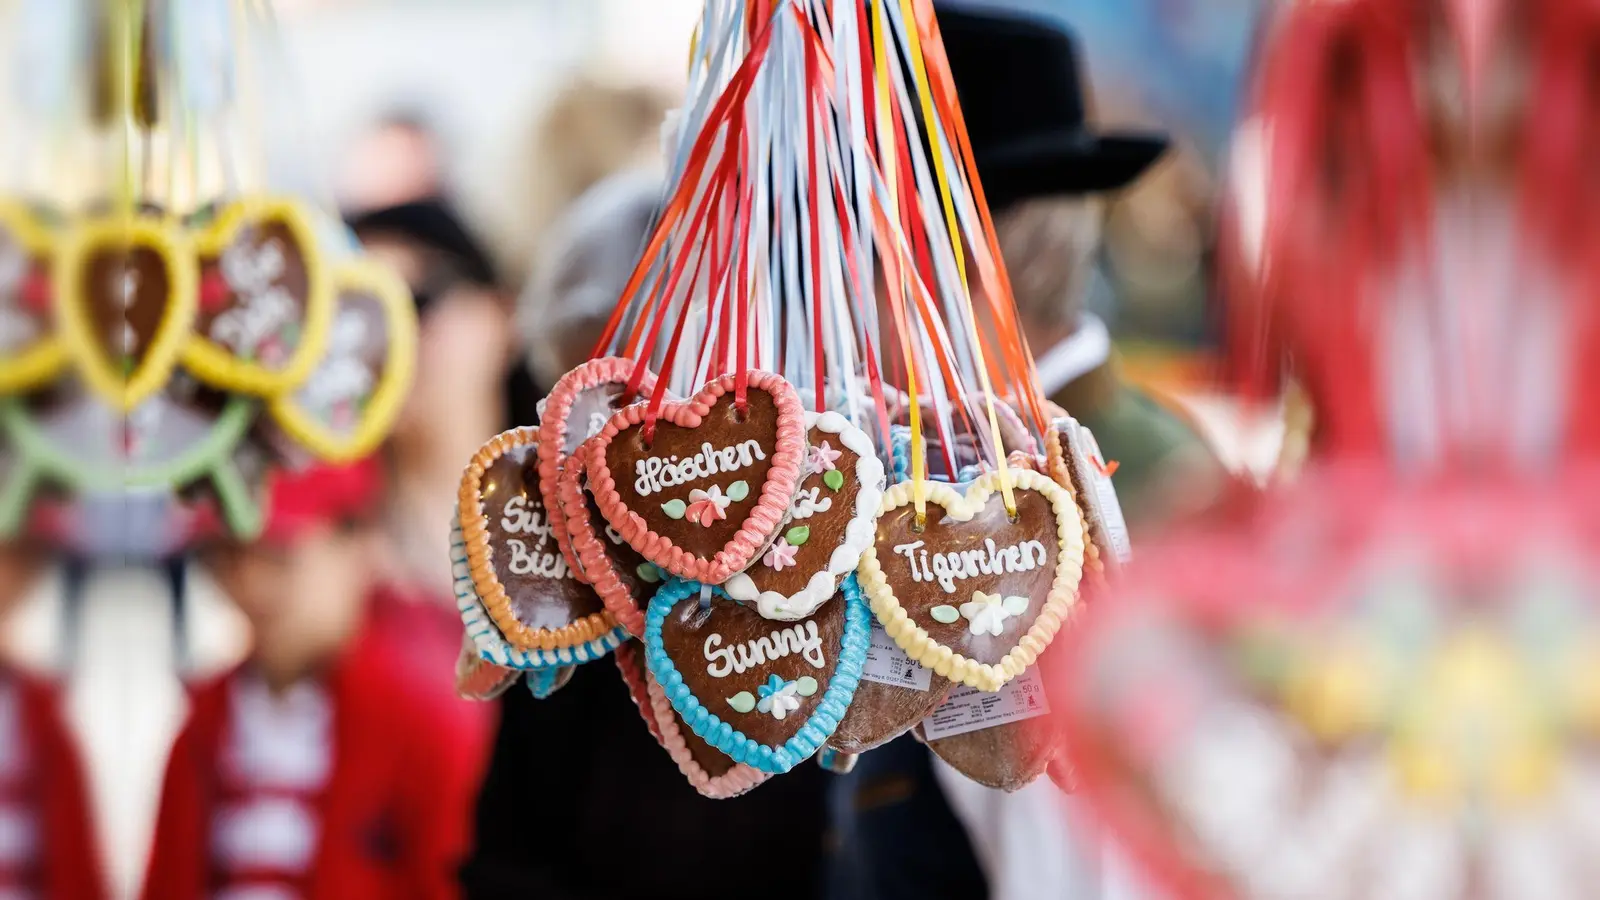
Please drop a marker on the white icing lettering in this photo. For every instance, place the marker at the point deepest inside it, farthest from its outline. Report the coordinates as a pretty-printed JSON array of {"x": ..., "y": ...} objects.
[
  {"x": 806, "y": 503},
  {"x": 536, "y": 563},
  {"x": 654, "y": 474},
  {"x": 801, "y": 639},
  {"x": 947, "y": 568}
]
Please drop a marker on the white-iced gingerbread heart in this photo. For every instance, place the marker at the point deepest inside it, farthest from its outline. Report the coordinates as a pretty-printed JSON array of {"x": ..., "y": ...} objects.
[{"x": 972, "y": 592}]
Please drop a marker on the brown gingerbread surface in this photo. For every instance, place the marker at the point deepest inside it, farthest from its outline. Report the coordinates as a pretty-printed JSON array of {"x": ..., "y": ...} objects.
[
  {"x": 729, "y": 650},
  {"x": 820, "y": 513},
  {"x": 879, "y": 713},
  {"x": 656, "y": 481},
  {"x": 255, "y": 243},
  {"x": 941, "y": 566},
  {"x": 629, "y": 565},
  {"x": 127, "y": 290},
  {"x": 540, "y": 589}
]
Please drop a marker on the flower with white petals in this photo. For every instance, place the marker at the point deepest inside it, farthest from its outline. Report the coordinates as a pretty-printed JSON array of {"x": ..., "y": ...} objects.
[
  {"x": 708, "y": 506},
  {"x": 779, "y": 697},
  {"x": 988, "y": 613}
]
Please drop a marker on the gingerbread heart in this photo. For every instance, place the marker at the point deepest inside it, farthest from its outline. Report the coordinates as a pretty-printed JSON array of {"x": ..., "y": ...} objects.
[
  {"x": 766, "y": 694},
  {"x": 706, "y": 493},
  {"x": 830, "y": 524},
  {"x": 126, "y": 288},
  {"x": 882, "y": 712},
  {"x": 348, "y": 403},
  {"x": 1005, "y": 755},
  {"x": 577, "y": 407},
  {"x": 972, "y": 593},
  {"x": 31, "y": 353},
  {"x": 635, "y": 677},
  {"x": 479, "y": 680},
  {"x": 516, "y": 570},
  {"x": 1074, "y": 460},
  {"x": 492, "y": 645},
  {"x": 265, "y": 301},
  {"x": 623, "y": 579},
  {"x": 710, "y": 771}
]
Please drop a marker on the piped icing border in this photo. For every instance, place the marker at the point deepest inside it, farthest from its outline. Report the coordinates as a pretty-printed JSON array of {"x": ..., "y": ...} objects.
[
  {"x": 477, "y": 679},
  {"x": 39, "y": 360},
  {"x": 858, "y": 534},
  {"x": 719, "y": 734},
  {"x": 914, "y": 639},
  {"x": 474, "y": 526},
  {"x": 120, "y": 388},
  {"x": 555, "y": 409},
  {"x": 542, "y": 683},
  {"x": 777, "y": 492},
  {"x": 630, "y": 663},
  {"x": 492, "y": 645},
  {"x": 216, "y": 364},
  {"x": 737, "y": 780},
  {"x": 594, "y": 566}
]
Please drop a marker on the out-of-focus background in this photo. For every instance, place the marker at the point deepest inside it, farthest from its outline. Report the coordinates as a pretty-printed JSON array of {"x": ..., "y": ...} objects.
[{"x": 403, "y": 98}]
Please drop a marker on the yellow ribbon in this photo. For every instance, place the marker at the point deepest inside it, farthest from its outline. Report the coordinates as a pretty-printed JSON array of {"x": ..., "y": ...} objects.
[{"x": 925, "y": 98}]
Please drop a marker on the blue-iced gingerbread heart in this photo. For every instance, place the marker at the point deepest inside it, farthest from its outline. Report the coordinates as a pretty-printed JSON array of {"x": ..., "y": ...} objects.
[{"x": 766, "y": 693}]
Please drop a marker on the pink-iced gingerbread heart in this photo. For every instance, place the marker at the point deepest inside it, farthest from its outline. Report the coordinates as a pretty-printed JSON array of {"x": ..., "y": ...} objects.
[
  {"x": 579, "y": 405},
  {"x": 704, "y": 495},
  {"x": 624, "y": 579},
  {"x": 710, "y": 771}
]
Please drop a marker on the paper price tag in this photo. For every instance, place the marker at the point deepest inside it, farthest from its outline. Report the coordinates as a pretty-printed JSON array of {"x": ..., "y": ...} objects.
[
  {"x": 888, "y": 664},
  {"x": 1089, "y": 468},
  {"x": 969, "y": 709}
]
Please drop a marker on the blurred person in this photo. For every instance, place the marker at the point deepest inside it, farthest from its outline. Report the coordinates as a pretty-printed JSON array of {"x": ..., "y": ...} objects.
[
  {"x": 574, "y": 777},
  {"x": 328, "y": 764},
  {"x": 397, "y": 161},
  {"x": 470, "y": 382},
  {"x": 1411, "y": 228},
  {"x": 48, "y": 844},
  {"x": 591, "y": 130},
  {"x": 1046, "y": 176}
]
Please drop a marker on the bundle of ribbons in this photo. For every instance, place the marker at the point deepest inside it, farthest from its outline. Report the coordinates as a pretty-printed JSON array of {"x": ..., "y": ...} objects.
[
  {"x": 805, "y": 493},
  {"x": 182, "y": 313}
]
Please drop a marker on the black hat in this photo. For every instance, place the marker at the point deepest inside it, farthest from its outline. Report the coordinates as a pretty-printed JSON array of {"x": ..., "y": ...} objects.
[{"x": 1021, "y": 90}]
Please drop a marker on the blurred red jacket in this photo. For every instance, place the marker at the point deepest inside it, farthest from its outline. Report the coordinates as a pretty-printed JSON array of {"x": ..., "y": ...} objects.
[
  {"x": 42, "y": 792},
  {"x": 389, "y": 816}
]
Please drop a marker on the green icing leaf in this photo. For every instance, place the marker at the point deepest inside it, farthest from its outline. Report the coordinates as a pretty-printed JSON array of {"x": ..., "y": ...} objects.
[
  {"x": 805, "y": 686},
  {"x": 674, "y": 508},
  {"x": 798, "y": 535},
  {"x": 742, "y": 702},
  {"x": 738, "y": 491},
  {"x": 648, "y": 573},
  {"x": 1015, "y": 606},
  {"x": 834, "y": 479},
  {"x": 945, "y": 614}
]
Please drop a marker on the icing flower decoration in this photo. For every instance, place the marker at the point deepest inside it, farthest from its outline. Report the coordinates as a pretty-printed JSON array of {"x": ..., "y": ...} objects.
[
  {"x": 707, "y": 506},
  {"x": 780, "y": 555},
  {"x": 778, "y": 697},
  {"x": 988, "y": 612},
  {"x": 824, "y": 458}
]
